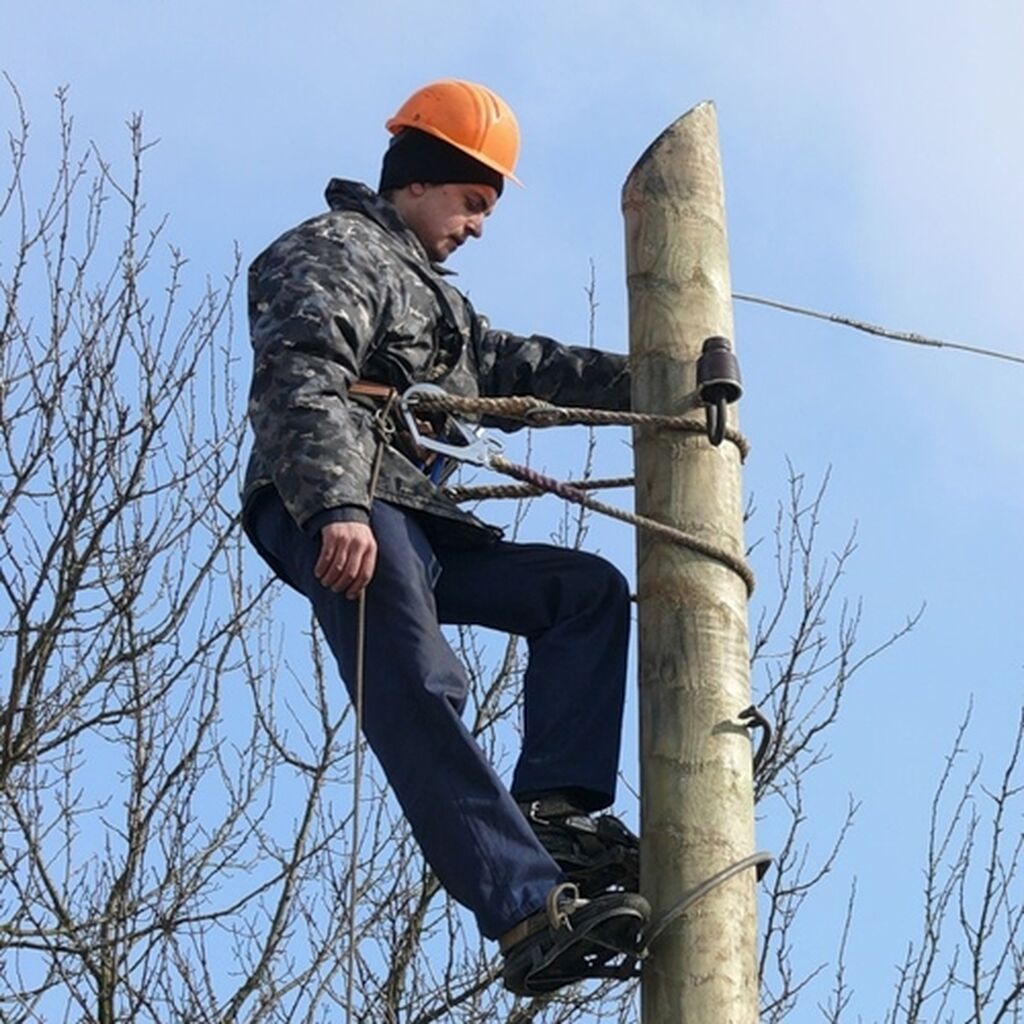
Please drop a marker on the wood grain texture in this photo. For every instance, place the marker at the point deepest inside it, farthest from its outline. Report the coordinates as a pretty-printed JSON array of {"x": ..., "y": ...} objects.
[{"x": 696, "y": 786}]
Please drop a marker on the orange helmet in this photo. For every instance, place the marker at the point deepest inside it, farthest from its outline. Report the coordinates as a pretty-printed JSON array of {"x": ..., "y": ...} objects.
[{"x": 467, "y": 116}]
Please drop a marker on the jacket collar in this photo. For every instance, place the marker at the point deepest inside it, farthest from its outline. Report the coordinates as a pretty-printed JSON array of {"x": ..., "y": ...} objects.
[{"x": 355, "y": 197}]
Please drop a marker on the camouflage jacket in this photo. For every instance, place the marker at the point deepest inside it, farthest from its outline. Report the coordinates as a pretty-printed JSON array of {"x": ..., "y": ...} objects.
[{"x": 352, "y": 294}]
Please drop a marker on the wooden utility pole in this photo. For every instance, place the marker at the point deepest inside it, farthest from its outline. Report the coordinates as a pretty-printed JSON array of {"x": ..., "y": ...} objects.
[{"x": 697, "y": 813}]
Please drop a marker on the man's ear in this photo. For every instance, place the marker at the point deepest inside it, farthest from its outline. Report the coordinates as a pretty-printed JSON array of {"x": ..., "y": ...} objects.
[{"x": 417, "y": 188}]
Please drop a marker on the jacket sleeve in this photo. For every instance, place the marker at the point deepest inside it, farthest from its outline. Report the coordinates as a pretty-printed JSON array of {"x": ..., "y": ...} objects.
[
  {"x": 573, "y": 375},
  {"x": 313, "y": 310}
]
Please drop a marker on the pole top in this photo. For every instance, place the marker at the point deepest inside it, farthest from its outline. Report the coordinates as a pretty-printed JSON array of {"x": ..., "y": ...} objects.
[{"x": 698, "y": 124}]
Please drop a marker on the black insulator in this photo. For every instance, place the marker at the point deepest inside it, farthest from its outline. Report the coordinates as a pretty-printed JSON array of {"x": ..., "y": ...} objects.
[
  {"x": 718, "y": 383},
  {"x": 718, "y": 372}
]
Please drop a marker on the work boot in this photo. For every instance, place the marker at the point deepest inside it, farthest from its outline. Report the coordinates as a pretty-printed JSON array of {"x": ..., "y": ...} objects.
[
  {"x": 574, "y": 939},
  {"x": 595, "y": 852}
]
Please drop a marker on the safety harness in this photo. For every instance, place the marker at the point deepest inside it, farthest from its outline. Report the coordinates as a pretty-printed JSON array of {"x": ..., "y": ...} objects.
[{"x": 436, "y": 442}]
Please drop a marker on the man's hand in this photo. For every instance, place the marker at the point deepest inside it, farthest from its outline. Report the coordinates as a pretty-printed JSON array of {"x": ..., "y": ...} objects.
[{"x": 348, "y": 556}]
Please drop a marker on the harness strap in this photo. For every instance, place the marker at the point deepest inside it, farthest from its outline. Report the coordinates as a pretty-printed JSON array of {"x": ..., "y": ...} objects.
[{"x": 372, "y": 389}]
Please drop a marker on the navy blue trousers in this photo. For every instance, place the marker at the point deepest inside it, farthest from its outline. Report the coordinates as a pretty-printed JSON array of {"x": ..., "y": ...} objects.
[{"x": 573, "y": 610}]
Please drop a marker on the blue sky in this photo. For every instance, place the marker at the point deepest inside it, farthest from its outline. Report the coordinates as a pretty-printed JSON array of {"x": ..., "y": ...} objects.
[{"x": 873, "y": 156}]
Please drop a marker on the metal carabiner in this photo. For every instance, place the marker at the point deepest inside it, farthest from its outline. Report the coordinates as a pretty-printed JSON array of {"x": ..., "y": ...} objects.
[{"x": 471, "y": 445}]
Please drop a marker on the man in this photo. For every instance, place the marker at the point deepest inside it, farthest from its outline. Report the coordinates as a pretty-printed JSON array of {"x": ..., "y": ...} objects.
[{"x": 358, "y": 295}]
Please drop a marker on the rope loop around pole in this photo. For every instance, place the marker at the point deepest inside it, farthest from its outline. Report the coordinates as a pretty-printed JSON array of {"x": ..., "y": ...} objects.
[
  {"x": 536, "y": 412},
  {"x": 577, "y": 496}
]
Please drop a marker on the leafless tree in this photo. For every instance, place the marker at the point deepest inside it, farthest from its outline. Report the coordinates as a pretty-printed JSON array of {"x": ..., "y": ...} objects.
[
  {"x": 179, "y": 839},
  {"x": 968, "y": 963},
  {"x": 129, "y": 805},
  {"x": 189, "y": 829},
  {"x": 806, "y": 650}
]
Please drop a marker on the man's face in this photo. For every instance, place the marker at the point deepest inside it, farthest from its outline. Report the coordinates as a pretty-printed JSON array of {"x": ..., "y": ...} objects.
[{"x": 443, "y": 216}]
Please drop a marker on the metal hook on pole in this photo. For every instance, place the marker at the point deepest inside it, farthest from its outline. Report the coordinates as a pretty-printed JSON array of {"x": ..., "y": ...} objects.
[{"x": 752, "y": 718}]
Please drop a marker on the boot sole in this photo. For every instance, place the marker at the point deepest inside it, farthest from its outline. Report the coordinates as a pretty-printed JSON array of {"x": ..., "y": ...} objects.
[{"x": 604, "y": 940}]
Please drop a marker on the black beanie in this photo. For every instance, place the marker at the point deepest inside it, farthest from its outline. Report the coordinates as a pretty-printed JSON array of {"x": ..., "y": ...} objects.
[{"x": 418, "y": 156}]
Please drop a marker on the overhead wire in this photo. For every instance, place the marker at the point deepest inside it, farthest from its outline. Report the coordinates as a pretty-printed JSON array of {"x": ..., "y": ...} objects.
[{"x": 911, "y": 337}]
